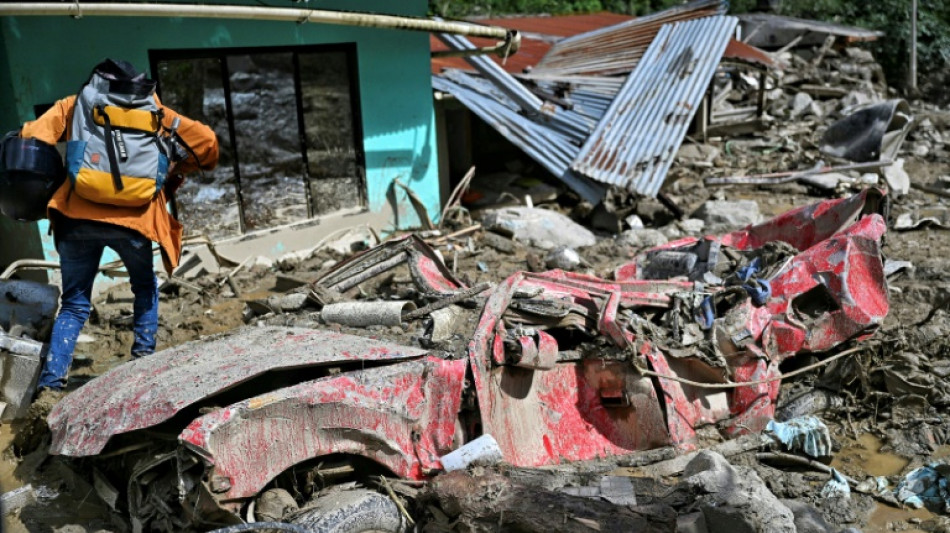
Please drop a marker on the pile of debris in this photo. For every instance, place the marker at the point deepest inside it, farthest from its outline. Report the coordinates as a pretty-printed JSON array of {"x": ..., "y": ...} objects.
[{"x": 563, "y": 366}]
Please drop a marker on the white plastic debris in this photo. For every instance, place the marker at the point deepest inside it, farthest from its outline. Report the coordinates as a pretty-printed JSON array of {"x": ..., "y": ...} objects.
[{"x": 483, "y": 451}]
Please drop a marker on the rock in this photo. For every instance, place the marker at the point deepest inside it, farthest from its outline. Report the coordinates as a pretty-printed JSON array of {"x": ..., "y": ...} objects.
[
  {"x": 801, "y": 105},
  {"x": 728, "y": 215},
  {"x": 563, "y": 258},
  {"x": 17, "y": 499},
  {"x": 262, "y": 263},
  {"x": 692, "y": 153},
  {"x": 691, "y": 523},
  {"x": 853, "y": 99},
  {"x": 692, "y": 226},
  {"x": 290, "y": 303},
  {"x": 859, "y": 55},
  {"x": 921, "y": 149},
  {"x": 897, "y": 178},
  {"x": 541, "y": 228},
  {"x": 635, "y": 222},
  {"x": 807, "y": 518},
  {"x": 735, "y": 499},
  {"x": 642, "y": 238}
]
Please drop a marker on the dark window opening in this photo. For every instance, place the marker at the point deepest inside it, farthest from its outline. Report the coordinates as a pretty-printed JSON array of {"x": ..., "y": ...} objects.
[{"x": 288, "y": 127}]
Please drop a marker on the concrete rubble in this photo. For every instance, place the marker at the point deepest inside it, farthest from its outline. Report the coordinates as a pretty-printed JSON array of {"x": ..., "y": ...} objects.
[{"x": 708, "y": 282}]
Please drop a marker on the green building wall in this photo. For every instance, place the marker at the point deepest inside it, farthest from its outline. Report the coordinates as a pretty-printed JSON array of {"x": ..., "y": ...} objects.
[{"x": 44, "y": 58}]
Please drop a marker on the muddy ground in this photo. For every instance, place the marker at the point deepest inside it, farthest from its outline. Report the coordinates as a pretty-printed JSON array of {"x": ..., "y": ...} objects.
[{"x": 879, "y": 429}]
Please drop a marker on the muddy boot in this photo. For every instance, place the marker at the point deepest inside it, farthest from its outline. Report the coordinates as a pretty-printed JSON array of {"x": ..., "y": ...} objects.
[
  {"x": 46, "y": 399},
  {"x": 31, "y": 432}
]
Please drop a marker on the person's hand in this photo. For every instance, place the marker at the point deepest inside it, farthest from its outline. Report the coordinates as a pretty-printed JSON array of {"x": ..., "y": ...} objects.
[{"x": 173, "y": 182}]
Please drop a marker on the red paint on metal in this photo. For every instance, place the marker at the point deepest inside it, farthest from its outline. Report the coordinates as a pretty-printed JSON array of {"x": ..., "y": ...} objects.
[
  {"x": 741, "y": 51},
  {"x": 150, "y": 390},
  {"x": 537, "y": 33},
  {"x": 402, "y": 416}
]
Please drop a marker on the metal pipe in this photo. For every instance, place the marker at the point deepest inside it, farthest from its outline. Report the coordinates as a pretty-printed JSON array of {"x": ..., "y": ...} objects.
[{"x": 511, "y": 38}]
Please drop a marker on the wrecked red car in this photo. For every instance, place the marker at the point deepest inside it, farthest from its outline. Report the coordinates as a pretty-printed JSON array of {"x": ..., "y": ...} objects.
[{"x": 561, "y": 367}]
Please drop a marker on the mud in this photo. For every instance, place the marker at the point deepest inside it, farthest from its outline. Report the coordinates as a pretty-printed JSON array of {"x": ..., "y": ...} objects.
[{"x": 888, "y": 416}]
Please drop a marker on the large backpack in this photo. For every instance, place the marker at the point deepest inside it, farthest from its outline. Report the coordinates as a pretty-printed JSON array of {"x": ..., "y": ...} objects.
[{"x": 117, "y": 151}]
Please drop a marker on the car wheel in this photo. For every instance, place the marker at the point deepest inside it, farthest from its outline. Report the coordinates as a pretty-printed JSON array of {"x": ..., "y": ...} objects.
[{"x": 351, "y": 511}]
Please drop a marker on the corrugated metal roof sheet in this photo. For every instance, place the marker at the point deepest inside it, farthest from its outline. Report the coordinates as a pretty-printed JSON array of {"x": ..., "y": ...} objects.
[
  {"x": 552, "y": 149},
  {"x": 537, "y": 36},
  {"x": 617, "y": 49},
  {"x": 636, "y": 141}
]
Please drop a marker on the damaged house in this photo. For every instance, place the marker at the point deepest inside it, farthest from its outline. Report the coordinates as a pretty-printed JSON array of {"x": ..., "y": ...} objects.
[{"x": 317, "y": 112}]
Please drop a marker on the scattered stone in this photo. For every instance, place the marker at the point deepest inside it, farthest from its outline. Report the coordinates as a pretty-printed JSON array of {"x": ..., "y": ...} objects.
[
  {"x": 499, "y": 242},
  {"x": 724, "y": 215},
  {"x": 563, "y": 258},
  {"x": 642, "y": 238},
  {"x": 691, "y": 226},
  {"x": 735, "y": 499},
  {"x": 691, "y": 523},
  {"x": 897, "y": 178},
  {"x": 262, "y": 262},
  {"x": 807, "y": 518},
  {"x": 802, "y": 105},
  {"x": 635, "y": 222},
  {"x": 290, "y": 303},
  {"x": 541, "y": 228},
  {"x": 16, "y": 499}
]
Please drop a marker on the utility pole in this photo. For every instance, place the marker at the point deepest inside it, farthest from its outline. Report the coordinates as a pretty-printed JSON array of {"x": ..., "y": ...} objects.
[{"x": 913, "y": 45}]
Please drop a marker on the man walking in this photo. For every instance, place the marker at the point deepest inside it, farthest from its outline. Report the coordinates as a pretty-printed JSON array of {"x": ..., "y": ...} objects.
[{"x": 108, "y": 201}]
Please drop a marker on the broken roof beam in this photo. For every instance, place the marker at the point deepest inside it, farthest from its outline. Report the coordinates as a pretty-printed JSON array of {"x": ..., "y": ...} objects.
[
  {"x": 636, "y": 141},
  {"x": 617, "y": 49}
]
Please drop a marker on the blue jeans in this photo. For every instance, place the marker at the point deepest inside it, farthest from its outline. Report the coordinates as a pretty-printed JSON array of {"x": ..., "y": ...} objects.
[{"x": 79, "y": 262}]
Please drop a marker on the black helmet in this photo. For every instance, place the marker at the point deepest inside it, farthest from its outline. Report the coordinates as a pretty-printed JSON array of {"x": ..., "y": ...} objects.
[{"x": 30, "y": 172}]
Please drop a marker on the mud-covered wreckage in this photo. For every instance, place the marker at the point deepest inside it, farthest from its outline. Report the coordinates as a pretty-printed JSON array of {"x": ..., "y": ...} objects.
[{"x": 560, "y": 367}]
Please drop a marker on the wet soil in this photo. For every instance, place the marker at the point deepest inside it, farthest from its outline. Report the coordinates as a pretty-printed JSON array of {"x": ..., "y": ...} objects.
[{"x": 883, "y": 428}]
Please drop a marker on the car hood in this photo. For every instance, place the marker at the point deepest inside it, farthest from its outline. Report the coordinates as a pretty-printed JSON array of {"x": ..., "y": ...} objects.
[{"x": 151, "y": 390}]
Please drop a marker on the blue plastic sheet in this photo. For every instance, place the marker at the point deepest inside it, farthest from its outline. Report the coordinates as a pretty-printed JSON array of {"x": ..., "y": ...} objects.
[
  {"x": 836, "y": 486},
  {"x": 806, "y": 434},
  {"x": 925, "y": 486}
]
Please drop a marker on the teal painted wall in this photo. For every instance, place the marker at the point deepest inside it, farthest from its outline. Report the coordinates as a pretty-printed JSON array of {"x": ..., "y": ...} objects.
[{"x": 45, "y": 58}]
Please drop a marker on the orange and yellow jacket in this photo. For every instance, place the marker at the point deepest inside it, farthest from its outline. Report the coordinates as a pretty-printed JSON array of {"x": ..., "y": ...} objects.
[{"x": 151, "y": 220}]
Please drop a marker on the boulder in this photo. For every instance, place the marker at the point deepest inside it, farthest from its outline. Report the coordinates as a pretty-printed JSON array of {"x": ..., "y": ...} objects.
[{"x": 735, "y": 499}]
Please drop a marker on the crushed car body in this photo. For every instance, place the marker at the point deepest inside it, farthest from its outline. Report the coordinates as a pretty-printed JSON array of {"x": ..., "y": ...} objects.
[{"x": 560, "y": 367}]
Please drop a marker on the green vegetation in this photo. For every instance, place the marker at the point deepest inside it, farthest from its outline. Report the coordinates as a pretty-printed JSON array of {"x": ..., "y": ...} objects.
[
  {"x": 889, "y": 16},
  {"x": 893, "y": 17}
]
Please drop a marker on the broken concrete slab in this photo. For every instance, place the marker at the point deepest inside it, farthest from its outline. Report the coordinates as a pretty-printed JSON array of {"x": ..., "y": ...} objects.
[
  {"x": 734, "y": 498},
  {"x": 802, "y": 105},
  {"x": 541, "y": 228},
  {"x": 16, "y": 499},
  {"x": 727, "y": 215},
  {"x": 20, "y": 363},
  {"x": 642, "y": 238}
]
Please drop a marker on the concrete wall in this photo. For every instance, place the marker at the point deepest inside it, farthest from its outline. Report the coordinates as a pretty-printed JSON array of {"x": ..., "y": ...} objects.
[{"x": 44, "y": 58}]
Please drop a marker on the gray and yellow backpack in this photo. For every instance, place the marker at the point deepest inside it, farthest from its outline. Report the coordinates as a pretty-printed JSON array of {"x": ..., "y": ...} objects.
[{"x": 118, "y": 152}]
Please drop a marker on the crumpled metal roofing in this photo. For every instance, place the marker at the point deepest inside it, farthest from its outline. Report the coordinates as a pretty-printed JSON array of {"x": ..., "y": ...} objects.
[
  {"x": 635, "y": 143},
  {"x": 617, "y": 49},
  {"x": 551, "y": 148}
]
